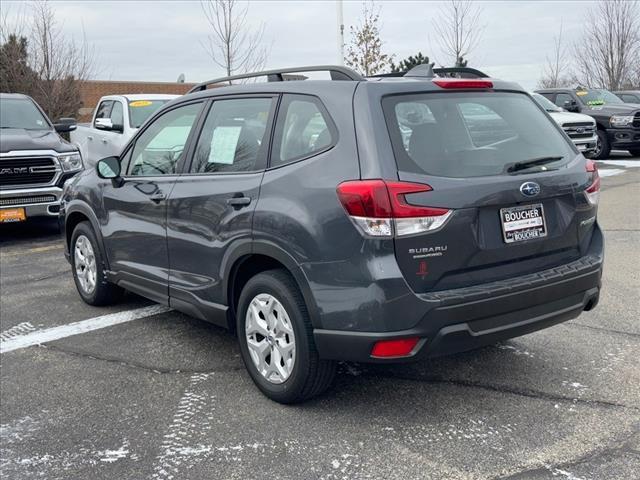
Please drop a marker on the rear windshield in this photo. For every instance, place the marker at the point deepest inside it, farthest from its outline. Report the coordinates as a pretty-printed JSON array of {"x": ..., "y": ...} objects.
[
  {"x": 140, "y": 110},
  {"x": 469, "y": 134}
]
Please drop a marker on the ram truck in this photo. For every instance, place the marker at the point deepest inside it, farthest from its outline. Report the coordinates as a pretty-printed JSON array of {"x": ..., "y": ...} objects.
[
  {"x": 35, "y": 161},
  {"x": 116, "y": 119}
]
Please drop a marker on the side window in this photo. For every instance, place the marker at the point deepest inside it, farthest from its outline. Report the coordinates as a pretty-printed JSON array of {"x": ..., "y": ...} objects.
[
  {"x": 160, "y": 147},
  {"x": 627, "y": 98},
  {"x": 117, "y": 115},
  {"x": 561, "y": 98},
  {"x": 104, "y": 109},
  {"x": 303, "y": 128},
  {"x": 234, "y": 137}
]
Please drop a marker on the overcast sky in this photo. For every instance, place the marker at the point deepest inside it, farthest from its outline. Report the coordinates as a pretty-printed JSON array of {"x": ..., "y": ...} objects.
[{"x": 157, "y": 41}]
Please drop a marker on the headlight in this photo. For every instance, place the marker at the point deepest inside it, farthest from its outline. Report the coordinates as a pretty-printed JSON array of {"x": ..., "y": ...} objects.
[
  {"x": 71, "y": 162},
  {"x": 621, "y": 120}
]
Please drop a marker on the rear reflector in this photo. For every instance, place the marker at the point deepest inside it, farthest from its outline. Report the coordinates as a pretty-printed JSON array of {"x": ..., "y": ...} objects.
[
  {"x": 394, "y": 348},
  {"x": 593, "y": 191},
  {"x": 462, "y": 83},
  {"x": 376, "y": 206}
]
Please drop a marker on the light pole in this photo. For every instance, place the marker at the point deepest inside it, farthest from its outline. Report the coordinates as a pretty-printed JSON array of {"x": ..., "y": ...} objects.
[{"x": 340, "y": 32}]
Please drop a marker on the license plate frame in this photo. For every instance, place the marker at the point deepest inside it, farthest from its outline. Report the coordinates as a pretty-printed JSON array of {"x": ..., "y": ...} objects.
[
  {"x": 12, "y": 215},
  {"x": 531, "y": 227}
]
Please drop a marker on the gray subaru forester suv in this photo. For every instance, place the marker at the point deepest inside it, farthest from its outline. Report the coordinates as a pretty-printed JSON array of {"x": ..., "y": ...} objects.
[{"x": 364, "y": 219}]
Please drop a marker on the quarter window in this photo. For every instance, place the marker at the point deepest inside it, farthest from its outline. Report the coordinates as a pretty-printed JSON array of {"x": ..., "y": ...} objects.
[
  {"x": 104, "y": 109},
  {"x": 304, "y": 128},
  {"x": 161, "y": 146},
  {"x": 234, "y": 137}
]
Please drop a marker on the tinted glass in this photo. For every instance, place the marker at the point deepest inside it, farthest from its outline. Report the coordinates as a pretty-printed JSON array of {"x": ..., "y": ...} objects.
[
  {"x": 302, "y": 129},
  {"x": 104, "y": 109},
  {"x": 160, "y": 147},
  {"x": 470, "y": 134},
  {"x": 117, "y": 116},
  {"x": 140, "y": 110},
  {"x": 234, "y": 137},
  {"x": 561, "y": 98},
  {"x": 21, "y": 113},
  {"x": 546, "y": 103},
  {"x": 597, "y": 97}
]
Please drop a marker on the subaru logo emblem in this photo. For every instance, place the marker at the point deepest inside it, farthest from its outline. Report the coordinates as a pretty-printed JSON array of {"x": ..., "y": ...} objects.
[{"x": 530, "y": 189}]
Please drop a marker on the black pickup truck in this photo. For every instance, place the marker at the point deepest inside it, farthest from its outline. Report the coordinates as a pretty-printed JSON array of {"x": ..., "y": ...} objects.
[
  {"x": 618, "y": 122},
  {"x": 34, "y": 160}
]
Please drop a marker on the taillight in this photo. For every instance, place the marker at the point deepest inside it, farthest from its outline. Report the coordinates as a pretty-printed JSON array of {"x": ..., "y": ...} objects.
[
  {"x": 402, "y": 347},
  {"x": 380, "y": 207},
  {"x": 462, "y": 83},
  {"x": 593, "y": 191}
]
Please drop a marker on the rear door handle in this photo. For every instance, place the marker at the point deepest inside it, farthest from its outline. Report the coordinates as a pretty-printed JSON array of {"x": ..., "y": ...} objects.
[
  {"x": 239, "y": 202},
  {"x": 157, "y": 197}
]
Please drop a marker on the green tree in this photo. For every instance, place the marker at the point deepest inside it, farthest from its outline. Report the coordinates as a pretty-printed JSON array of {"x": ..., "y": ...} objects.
[
  {"x": 364, "y": 52},
  {"x": 15, "y": 73},
  {"x": 409, "y": 62}
]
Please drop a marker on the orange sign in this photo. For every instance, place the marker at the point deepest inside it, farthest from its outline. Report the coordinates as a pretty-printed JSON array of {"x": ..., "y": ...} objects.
[{"x": 8, "y": 215}]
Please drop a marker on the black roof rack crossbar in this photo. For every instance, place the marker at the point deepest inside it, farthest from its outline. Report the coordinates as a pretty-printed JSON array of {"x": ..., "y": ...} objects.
[
  {"x": 337, "y": 72},
  {"x": 463, "y": 71}
]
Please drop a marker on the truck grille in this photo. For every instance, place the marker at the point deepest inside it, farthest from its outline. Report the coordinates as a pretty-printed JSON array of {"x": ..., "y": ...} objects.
[
  {"x": 18, "y": 172},
  {"x": 579, "y": 129}
]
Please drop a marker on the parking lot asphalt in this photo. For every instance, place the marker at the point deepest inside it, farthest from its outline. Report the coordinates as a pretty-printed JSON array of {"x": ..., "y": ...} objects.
[{"x": 167, "y": 396}]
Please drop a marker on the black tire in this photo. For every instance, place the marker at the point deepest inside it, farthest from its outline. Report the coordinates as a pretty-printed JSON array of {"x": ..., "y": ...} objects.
[
  {"x": 603, "y": 149},
  {"x": 310, "y": 375},
  {"x": 104, "y": 293},
  {"x": 635, "y": 152}
]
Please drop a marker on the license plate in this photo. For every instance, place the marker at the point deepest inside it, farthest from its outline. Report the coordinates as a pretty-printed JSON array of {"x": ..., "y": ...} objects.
[
  {"x": 581, "y": 147},
  {"x": 8, "y": 215},
  {"x": 523, "y": 223}
]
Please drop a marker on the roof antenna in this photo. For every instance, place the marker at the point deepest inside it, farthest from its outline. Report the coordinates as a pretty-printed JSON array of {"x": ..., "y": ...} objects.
[{"x": 424, "y": 70}]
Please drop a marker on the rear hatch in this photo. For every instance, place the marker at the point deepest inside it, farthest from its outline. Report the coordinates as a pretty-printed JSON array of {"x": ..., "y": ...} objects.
[{"x": 510, "y": 190}]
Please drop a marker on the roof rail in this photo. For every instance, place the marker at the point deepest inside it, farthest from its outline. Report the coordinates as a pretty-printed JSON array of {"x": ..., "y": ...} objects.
[
  {"x": 337, "y": 72},
  {"x": 464, "y": 72}
]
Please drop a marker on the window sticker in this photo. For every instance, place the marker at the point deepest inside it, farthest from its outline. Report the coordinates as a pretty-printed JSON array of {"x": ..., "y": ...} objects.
[
  {"x": 582, "y": 93},
  {"x": 223, "y": 145},
  {"x": 593, "y": 103},
  {"x": 140, "y": 103}
]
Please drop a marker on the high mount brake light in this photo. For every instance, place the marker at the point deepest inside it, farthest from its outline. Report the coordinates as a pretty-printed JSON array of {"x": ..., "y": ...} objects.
[
  {"x": 451, "y": 83},
  {"x": 593, "y": 191},
  {"x": 379, "y": 207}
]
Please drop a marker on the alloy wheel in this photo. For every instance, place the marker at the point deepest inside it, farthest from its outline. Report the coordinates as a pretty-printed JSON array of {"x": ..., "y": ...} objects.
[
  {"x": 270, "y": 338},
  {"x": 85, "y": 264}
]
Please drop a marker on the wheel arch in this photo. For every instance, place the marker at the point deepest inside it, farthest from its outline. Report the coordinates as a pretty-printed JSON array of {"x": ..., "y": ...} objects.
[
  {"x": 77, "y": 212},
  {"x": 249, "y": 261}
]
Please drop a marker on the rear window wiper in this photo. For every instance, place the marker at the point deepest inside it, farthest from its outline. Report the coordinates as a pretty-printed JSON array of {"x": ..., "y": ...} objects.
[{"x": 533, "y": 162}]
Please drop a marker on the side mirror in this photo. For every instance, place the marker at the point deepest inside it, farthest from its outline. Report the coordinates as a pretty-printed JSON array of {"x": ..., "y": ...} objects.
[
  {"x": 103, "y": 123},
  {"x": 65, "y": 125},
  {"x": 109, "y": 168},
  {"x": 571, "y": 106}
]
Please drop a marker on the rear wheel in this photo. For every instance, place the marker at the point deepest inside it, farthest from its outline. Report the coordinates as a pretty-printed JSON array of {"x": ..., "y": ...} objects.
[
  {"x": 89, "y": 268},
  {"x": 603, "y": 149},
  {"x": 276, "y": 340},
  {"x": 635, "y": 152}
]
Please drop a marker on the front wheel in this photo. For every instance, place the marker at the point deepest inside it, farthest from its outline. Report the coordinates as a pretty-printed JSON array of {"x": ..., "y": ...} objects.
[
  {"x": 89, "y": 268},
  {"x": 276, "y": 340},
  {"x": 603, "y": 149}
]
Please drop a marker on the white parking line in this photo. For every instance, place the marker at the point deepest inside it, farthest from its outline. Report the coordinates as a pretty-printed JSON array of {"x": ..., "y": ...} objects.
[{"x": 76, "y": 328}]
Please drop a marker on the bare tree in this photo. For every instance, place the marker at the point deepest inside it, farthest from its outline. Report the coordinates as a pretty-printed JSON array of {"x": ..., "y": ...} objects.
[
  {"x": 556, "y": 71},
  {"x": 609, "y": 49},
  {"x": 232, "y": 45},
  {"x": 40, "y": 60},
  {"x": 364, "y": 51},
  {"x": 458, "y": 29}
]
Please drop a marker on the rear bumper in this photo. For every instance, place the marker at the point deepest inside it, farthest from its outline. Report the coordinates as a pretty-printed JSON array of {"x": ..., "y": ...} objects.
[
  {"x": 37, "y": 202},
  {"x": 468, "y": 318}
]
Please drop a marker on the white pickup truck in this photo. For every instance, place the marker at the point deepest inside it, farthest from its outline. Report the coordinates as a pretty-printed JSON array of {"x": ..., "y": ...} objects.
[{"x": 115, "y": 120}]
